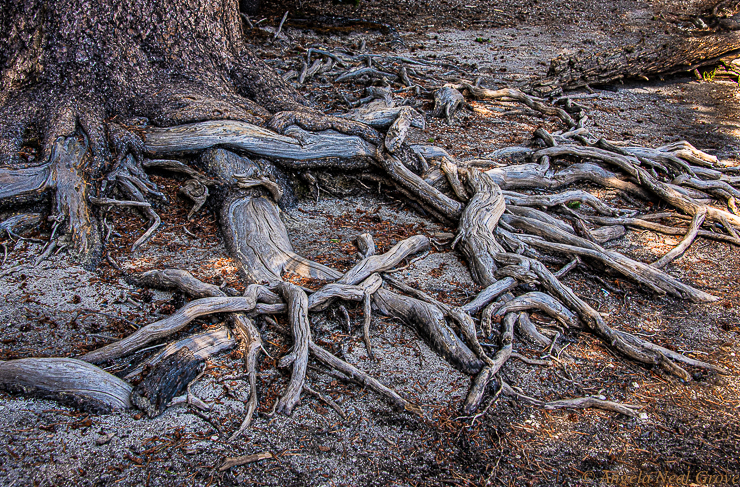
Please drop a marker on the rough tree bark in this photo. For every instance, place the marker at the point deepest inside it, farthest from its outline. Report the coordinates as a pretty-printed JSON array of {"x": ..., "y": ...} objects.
[{"x": 91, "y": 89}]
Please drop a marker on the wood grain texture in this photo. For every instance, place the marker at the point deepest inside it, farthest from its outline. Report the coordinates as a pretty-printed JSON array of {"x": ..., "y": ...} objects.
[
  {"x": 296, "y": 144},
  {"x": 70, "y": 381}
]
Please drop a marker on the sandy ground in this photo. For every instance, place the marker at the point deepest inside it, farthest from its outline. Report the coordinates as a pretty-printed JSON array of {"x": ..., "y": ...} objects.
[{"x": 59, "y": 309}]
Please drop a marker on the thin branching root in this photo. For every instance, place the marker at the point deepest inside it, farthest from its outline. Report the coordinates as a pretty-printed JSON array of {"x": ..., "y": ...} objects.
[{"x": 519, "y": 244}]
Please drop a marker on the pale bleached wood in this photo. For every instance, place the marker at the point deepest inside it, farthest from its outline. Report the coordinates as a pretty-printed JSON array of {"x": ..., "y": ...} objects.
[
  {"x": 67, "y": 380},
  {"x": 475, "y": 236},
  {"x": 556, "y": 240},
  {"x": 382, "y": 118},
  {"x": 685, "y": 243},
  {"x": 251, "y": 344},
  {"x": 386, "y": 261},
  {"x": 168, "y": 326},
  {"x": 296, "y": 144},
  {"x": 542, "y": 302},
  {"x": 298, "y": 316},
  {"x": 259, "y": 242},
  {"x": 430, "y": 323}
]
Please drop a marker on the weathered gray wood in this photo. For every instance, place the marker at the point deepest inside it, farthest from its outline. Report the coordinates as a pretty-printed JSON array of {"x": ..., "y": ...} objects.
[
  {"x": 324, "y": 297},
  {"x": 572, "y": 245},
  {"x": 170, "y": 325},
  {"x": 603, "y": 235},
  {"x": 246, "y": 182},
  {"x": 251, "y": 344},
  {"x": 517, "y": 95},
  {"x": 356, "y": 375},
  {"x": 449, "y": 168},
  {"x": 259, "y": 242},
  {"x": 399, "y": 128},
  {"x": 382, "y": 118},
  {"x": 365, "y": 71},
  {"x": 19, "y": 223},
  {"x": 26, "y": 181},
  {"x": 506, "y": 342},
  {"x": 254, "y": 233},
  {"x": 543, "y": 302},
  {"x": 176, "y": 279},
  {"x": 522, "y": 176},
  {"x": 480, "y": 384},
  {"x": 542, "y": 216},
  {"x": 486, "y": 317},
  {"x": 682, "y": 53},
  {"x": 447, "y": 101},
  {"x": 367, "y": 308},
  {"x": 296, "y": 144},
  {"x": 219, "y": 339},
  {"x": 685, "y": 243},
  {"x": 468, "y": 331},
  {"x": 565, "y": 197},
  {"x": 490, "y": 293},
  {"x": 637, "y": 350},
  {"x": 135, "y": 189},
  {"x": 429, "y": 322},
  {"x": 420, "y": 190},
  {"x": 384, "y": 262},
  {"x": 365, "y": 244},
  {"x": 630, "y": 165},
  {"x": 672, "y": 354},
  {"x": 68, "y": 178},
  {"x": 195, "y": 191},
  {"x": 527, "y": 329},
  {"x": 201, "y": 345},
  {"x": 67, "y": 380},
  {"x": 574, "y": 403},
  {"x": 177, "y": 167},
  {"x": 298, "y": 357},
  {"x": 483, "y": 380},
  {"x": 477, "y": 223}
]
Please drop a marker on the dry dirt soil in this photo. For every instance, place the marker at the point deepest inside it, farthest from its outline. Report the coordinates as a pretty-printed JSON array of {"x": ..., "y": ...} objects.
[{"x": 59, "y": 309}]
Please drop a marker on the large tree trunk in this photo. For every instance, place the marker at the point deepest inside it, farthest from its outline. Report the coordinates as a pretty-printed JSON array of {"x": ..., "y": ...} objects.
[{"x": 105, "y": 70}]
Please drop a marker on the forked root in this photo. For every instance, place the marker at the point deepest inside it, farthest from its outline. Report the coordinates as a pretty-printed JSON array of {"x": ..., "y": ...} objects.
[{"x": 298, "y": 358}]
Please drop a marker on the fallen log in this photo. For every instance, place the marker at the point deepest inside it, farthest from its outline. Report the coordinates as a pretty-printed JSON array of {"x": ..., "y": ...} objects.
[{"x": 679, "y": 54}]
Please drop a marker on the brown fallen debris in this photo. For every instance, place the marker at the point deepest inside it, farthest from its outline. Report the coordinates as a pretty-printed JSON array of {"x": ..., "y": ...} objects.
[{"x": 231, "y": 462}]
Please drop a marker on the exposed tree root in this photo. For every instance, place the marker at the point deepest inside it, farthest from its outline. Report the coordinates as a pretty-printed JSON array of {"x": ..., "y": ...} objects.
[
  {"x": 70, "y": 381},
  {"x": 251, "y": 345},
  {"x": 170, "y": 325},
  {"x": 298, "y": 358},
  {"x": 575, "y": 403},
  {"x": 506, "y": 234}
]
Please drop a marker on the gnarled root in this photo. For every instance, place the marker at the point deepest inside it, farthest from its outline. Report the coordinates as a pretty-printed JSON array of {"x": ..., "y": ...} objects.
[
  {"x": 170, "y": 325},
  {"x": 251, "y": 345},
  {"x": 298, "y": 316}
]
